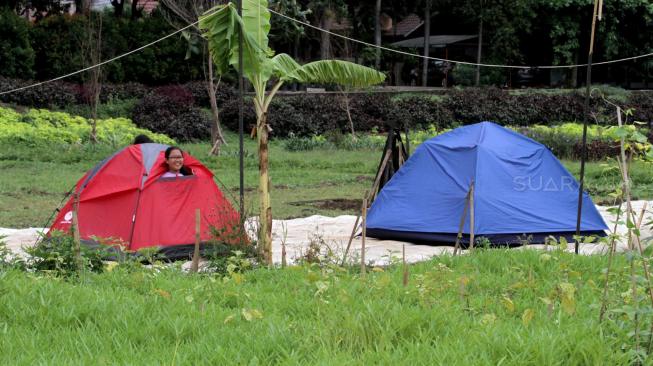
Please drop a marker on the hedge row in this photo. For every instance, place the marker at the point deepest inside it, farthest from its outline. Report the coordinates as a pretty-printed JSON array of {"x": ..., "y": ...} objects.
[
  {"x": 306, "y": 115},
  {"x": 173, "y": 109}
]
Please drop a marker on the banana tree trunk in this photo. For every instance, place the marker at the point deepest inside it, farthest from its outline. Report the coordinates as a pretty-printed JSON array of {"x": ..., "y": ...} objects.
[{"x": 265, "y": 218}]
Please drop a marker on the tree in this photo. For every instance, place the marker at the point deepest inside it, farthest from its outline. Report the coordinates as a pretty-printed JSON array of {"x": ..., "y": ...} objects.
[
  {"x": 16, "y": 53},
  {"x": 91, "y": 51},
  {"x": 221, "y": 26},
  {"x": 187, "y": 11}
]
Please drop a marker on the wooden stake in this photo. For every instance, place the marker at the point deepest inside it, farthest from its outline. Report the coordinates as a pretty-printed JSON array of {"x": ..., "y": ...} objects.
[
  {"x": 462, "y": 223},
  {"x": 363, "y": 238},
  {"x": 76, "y": 236},
  {"x": 367, "y": 195},
  {"x": 196, "y": 253},
  {"x": 403, "y": 249},
  {"x": 471, "y": 217}
]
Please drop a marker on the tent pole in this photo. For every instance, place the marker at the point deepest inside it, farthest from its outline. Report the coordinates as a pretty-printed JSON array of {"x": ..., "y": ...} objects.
[
  {"x": 471, "y": 217},
  {"x": 240, "y": 116},
  {"x": 370, "y": 196},
  {"x": 462, "y": 223},
  {"x": 595, "y": 14}
]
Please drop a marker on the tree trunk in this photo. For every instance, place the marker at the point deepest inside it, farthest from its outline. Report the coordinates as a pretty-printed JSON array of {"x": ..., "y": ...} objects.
[
  {"x": 477, "y": 81},
  {"x": 573, "y": 82},
  {"x": 377, "y": 34},
  {"x": 325, "y": 40},
  {"x": 217, "y": 138},
  {"x": 427, "y": 35},
  {"x": 295, "y": 55},
  {"x": 136, "y": 13},
  {"x": 265, "y": 218}
]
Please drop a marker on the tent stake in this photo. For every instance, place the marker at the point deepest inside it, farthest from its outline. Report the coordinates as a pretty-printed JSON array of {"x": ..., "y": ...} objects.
[
  {"x": 462, "y": 223},
  {"x": 196, "y": 253},
  {"x": 471, "y": 217},
  {"x": 363, "y": 239}
]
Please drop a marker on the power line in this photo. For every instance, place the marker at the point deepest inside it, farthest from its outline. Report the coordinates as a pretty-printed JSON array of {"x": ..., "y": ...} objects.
[{"x": 451, "y": 61}]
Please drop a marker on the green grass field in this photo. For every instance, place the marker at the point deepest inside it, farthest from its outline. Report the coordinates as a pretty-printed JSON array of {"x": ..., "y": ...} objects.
[
  {"x": 327, "y": 182},
  {"x": 491, "y": 307}
]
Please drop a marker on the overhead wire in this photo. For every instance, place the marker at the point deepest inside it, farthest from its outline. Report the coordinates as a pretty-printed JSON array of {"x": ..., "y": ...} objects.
[
  {"x": 336, "y": 35},
  {"x": 448, "y": 60}
]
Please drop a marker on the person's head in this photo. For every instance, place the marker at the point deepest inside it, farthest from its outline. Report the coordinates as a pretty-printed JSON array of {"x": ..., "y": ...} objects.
[
  {"x": 142, "y": 139},
  {"x": 174, "y": 158}
]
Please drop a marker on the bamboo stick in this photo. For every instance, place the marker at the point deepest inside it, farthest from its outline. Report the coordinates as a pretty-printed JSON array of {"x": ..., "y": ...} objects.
[
  {"x": 76, "y": 236},
  {"x": 471, "y": 217},
  {"x": 367, "y": 195},
  {"x": 363, "y": 238},
  {"x": 196, "y": 253},
  {"x": 405, "y": 279},
  {"x": 462, "y": 224}
]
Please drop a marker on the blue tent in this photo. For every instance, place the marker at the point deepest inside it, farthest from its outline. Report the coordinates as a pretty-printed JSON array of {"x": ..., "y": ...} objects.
[{"x": 520, "y": 188}]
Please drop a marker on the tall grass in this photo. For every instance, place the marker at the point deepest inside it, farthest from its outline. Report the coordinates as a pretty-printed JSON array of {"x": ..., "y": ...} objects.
[{"x": 486, "y": 308}]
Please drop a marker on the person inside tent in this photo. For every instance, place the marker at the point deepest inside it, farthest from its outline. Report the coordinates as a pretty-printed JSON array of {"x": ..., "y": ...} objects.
[{"x": 175, "y": 161}]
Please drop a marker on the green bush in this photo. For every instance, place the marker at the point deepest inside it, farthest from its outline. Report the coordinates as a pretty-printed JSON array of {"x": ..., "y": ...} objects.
[
  {"x": 16, "y": 53},
  {"x": 171, "y": 111},
  {"x": 38, "y": 127},
  {"x": 55, "y": 254}
]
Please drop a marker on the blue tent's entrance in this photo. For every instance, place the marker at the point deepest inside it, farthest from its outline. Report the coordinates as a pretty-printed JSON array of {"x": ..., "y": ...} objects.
[{"x": 520, "y": 190}]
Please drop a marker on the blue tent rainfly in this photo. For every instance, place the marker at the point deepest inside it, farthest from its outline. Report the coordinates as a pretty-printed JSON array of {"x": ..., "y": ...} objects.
[{"x": 520, "y": 190}]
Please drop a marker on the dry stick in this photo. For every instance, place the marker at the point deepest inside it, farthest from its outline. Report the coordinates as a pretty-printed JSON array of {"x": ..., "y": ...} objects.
[
  {"x": 363, "y": 239},
  {"x": 196, "y": 254},
  {"x": 607, "y": 273},
  {"x": 403, "y": 249},
  {"x": 283, "y": 244},
  {"x": 462, "y": 224},
  {"x": 377, "y": 180},
  {"x": 76, "y": 236},
  {"x": 471, "y": 217}
]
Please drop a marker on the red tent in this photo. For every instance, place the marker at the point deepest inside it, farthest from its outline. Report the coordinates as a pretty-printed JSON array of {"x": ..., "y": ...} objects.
[{"x": 125, "y": 198}]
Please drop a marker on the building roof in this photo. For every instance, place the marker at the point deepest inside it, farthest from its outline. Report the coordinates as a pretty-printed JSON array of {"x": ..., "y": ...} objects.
[
  {"x": 406, "y": 26},
  {"x": 434, "y": 41}
]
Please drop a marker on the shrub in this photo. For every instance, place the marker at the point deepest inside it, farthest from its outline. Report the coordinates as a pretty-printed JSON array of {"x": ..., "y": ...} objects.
[
  {"x": 172, "y": 114},
  {"x": 56, "y": 255},
  {"x": 223, "y": 94},
  {"x": 418, "y": 113},
  {"x": 16, "y": 53},
  {"x": 114, "y": 92},
  {"x": 50, "y": 95},
  {"x": 44, "y": 128}
]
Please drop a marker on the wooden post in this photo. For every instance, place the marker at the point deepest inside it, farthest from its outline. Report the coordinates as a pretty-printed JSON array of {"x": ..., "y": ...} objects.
[
  {"x": 196, "y": 253},
  {"x": 370, "y": 195},
  {"x": 76, "y": 236},
  {"x": 471, "y": 217},
  {"x": 363, "y": 238},
  {"x": 403, "y": 249},
  {"x": 462, "y": 224}
]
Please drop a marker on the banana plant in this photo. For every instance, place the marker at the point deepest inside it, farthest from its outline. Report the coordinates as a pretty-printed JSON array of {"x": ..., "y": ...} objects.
[{"x": 221, "y": 26}]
